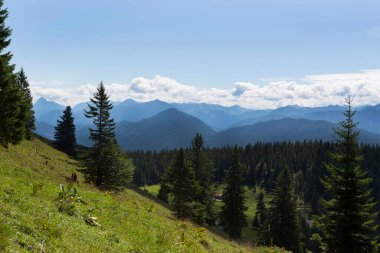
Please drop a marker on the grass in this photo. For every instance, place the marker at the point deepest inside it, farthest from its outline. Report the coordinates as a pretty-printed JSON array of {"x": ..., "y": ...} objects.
[
  {"x": 30, "y": 175},
  {"x": 152, "y": 189}
]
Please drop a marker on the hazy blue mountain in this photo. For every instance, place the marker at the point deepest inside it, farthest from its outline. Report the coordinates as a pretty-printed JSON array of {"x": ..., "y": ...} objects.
[
  {"x": 78, "y": 114},
  {"x": 166, "y": 130},
  {"x": 367, "y": 116},
  {"x": 45, "y": 130},
  {"x": 369, "y": 119},
  {"x": 43, "y": 106},
  {"x": 157, "y": 124},
  {"x": 288, "y": 129},
  {"x": 130, "y": 110},
  {"x": 82, "y": 134},
  {"x": 47, "y": 111},
  {"x": 216, "y": 116}
]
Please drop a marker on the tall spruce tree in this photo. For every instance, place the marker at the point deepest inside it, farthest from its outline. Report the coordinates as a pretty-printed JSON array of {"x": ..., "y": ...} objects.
[
  {"x": 285, "y": 227},
  {"x": 232, "y": 215},
  {"x": 104, "y": 131},
  {"x": 203, "y": 175},
  {"x": 261, "y": 220},
  {"x": 180, "y": 183},
  {"x": 26, "y": 104},
  {"x": 64, "y": 136},
  {"x": 12, "y": 129},
  {"x": 261, "y": 210},
  {"x": 348, "y": 220}
]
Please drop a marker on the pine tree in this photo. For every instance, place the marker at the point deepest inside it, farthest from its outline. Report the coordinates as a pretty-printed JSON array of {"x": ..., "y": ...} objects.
[
  {"x": 180, "y": 184},
  {"x": 203, "y": 175},
  {"x": 285, "y": 227},
  {"x": 348, "y": 220},
  {"x": 261, "y": 209},
  {"x": 261, "y": 219},
  {"x": 104, "y": 131},
  {"x": 119, "y": 169},
  {"x": 26, "y": 107},
  {"x": 64, "y": 136},
  {"x": 164, "y": 191},
  {"x": 100, "y": 111},
  {"x": 232, "y": 215},
  {"x": 12, "y": 130}
]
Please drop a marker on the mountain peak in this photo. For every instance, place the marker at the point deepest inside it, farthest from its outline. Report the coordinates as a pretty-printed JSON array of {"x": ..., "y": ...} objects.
[
  {"x": 41, "y": 100},
  {"x": 127, "y": 102},
  {"x": 157, "y": 101},
  {"x": 172, "y": 111},
  {"x": 43, "y": 105}
]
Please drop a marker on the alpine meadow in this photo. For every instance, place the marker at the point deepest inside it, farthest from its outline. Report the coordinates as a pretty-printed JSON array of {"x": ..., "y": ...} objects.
[{"x": 103, "y": 150}]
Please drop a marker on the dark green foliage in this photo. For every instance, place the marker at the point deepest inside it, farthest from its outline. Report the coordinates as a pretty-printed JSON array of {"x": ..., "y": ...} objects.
[
  {"x": 118, "y": 169},
  {"x": 261, "y": 210},
  {"x": 203, "y": 176},
  {"x": 255, "y": 222},
  {"x": 179, "y": 181},
  {"x": 348, "y": 220},
  {"x": 164, "y": 191},
  {"x": 232, "y": 215},
  {"x": 264, "y": 161},
  {"x": 260, "y": 221},
  {"x": 99, "y": 110},
  {"x": 285, "y": 228},
  {"x": 12, "y": 128},
  {"x": 101, "y": 135},
  {"x": 26, "y": 104},
  {"x": 64, "y": 136}
]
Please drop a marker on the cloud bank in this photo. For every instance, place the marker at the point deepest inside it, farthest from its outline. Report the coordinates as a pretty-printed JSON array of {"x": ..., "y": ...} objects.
[{"x": 312, "y": 91}]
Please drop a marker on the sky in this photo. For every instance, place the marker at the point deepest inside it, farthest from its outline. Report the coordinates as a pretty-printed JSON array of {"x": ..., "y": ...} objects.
[{"x": 257, "y": 54}]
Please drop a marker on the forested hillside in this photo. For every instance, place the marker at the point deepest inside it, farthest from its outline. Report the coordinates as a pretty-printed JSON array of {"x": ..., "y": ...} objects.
[{"x": 263, "y": 162}]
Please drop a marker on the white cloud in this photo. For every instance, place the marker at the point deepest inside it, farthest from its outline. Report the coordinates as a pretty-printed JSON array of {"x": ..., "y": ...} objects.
[{"x": 317, "y": 90}]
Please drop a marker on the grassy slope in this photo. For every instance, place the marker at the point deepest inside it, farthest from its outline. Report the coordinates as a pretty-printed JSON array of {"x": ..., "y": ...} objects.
[{"x": 130, "y": 222}]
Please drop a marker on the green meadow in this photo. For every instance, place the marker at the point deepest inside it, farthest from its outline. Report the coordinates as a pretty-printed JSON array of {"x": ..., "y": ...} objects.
[{"x": 30, "y": 177}]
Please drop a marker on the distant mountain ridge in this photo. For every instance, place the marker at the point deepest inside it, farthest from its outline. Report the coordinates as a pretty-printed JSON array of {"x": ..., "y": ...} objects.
[
  {"x": 167, "y": 130},
  {"x": 160, "y": 125},
  {"x": 287, "y": 129}
]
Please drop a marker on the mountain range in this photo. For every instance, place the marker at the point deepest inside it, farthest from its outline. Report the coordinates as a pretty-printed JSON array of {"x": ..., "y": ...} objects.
[{"x": 159, "y": 125}]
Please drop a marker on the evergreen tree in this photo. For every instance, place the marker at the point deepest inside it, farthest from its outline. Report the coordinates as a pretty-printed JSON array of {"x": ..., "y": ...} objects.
[
  {"x": 261, "y": 221},
  {"x": 99, "y": 111},
  {"x": 64, "y": 136},
  {"x": 164, "y": 191},
  {"x": 285, "y": 227},
  {"x": 348, "y": 220},
  {"x": 104, "y": 131},
  {"x": 261, "y": 209},
  {"x": 26, "y": 105},
  {"x": 203, "y": 175},
  {"x": 12, "y": 129},
  {"x": 119, "y": 169},
  {"x": 232, "y": 215},
  {"x": 181, "y": 184}
]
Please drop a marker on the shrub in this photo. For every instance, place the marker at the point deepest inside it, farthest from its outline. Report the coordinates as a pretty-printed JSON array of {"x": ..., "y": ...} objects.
[{"x": 67, "y": 198}]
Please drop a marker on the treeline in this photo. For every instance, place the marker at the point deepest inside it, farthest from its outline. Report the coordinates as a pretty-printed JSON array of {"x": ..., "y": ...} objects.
[{"x": 262, "y": 164}]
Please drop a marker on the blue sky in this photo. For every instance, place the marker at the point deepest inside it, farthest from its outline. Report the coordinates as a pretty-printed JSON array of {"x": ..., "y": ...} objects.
[{"x": 203, "y": 43}]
